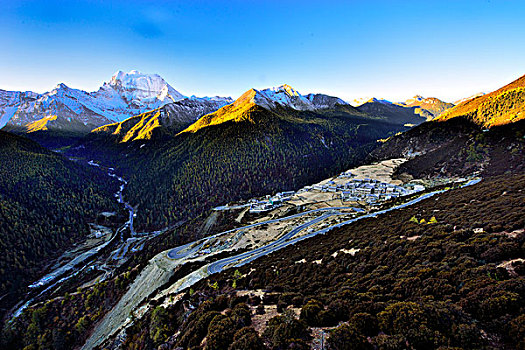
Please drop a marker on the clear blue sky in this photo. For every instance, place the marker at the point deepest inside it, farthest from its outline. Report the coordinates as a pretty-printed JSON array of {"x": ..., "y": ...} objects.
[{"x": 390, "y": 49}]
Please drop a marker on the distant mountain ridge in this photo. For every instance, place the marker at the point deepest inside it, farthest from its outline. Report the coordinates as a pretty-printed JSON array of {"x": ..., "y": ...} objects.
[
  {"x": 411, "y": 112},
  {"x": 125, "y": 95},
  {"x": 429, "y": 107},
  {"x": 285, "y": 95},
  {"x": 176, "y": 116},
  {"x": 168, "y": 119},
  {"x": 391, "y": 111},
  {"x": 264, "y": 103}
]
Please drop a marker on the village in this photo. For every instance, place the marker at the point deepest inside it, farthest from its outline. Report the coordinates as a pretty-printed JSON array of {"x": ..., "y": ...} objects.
[
  {"x": 367, "y": 192},
  {"x": 347, "y": 189}
]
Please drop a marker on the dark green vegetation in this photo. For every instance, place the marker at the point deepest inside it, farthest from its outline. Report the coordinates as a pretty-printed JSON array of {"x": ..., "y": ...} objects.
[
  {"x": 264, "y": 152},
  {"x": 395, "y": 113},
  {"x": 63, "y": 323},
  {"x": 443, "y": 287},
  {"x": 458, "y": 147},
  {"x": 46, "y": 202},
  {"x": 51, "y": 139}
]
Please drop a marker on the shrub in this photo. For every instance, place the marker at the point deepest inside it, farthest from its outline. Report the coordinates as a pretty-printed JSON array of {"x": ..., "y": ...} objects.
[
  {"x": 346, "y": 337},
  {"x": 310, "y": 313},
  {"x": 247, "y": 338}
]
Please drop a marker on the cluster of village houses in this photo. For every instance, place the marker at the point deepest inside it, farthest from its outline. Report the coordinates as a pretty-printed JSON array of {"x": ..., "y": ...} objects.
[
  {"x": 368, "y": 191},
  {"x": 270, "y": 202}
]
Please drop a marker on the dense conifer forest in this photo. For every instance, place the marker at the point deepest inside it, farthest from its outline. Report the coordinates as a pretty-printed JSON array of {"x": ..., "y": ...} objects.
[
  {"x": 266, "y": 152},
  {"x": 46, "y": 202}
]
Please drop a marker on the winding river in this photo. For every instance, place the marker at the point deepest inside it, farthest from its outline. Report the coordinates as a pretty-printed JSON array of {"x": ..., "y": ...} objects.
[{"x": 71, "y": 268}]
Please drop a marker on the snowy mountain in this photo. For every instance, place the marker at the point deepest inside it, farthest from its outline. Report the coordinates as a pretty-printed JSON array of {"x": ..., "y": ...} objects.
[
  {"x": 168, "y": 119},
  {"x": 141, "y": 90},
  {"x": 361, "y": 101},
  {"x": 263, "y": 104},
  {"x": 287, "y": 96},
  {"x": 125, "y": 95},
  {"x": 9, "y": 100},
  {"x": 427, "y": 107}
]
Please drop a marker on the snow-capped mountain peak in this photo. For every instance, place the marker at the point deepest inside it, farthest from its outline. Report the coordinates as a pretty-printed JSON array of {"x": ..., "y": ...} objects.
[
  {"x": 284, "y": 95},
  {"x": 123, "y": 96},
  {"x": 61, "y": 86},
  {"x": 142, "y": 89},
  {"x": 285, "y": 88},
  {"x": 287, "y": 96}
]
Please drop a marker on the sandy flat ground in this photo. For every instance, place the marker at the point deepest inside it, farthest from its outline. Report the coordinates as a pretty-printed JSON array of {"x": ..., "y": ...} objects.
[{"x": 381, "y": 171}]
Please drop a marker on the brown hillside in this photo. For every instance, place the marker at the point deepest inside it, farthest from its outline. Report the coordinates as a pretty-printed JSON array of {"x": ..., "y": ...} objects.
[{"x": 503, "y": 106}]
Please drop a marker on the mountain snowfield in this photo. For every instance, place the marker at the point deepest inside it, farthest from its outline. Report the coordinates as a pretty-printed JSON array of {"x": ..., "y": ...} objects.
[
  {"x": 287, "y": 96},
  {"x": 269, "y": 99},
  {"x": 134, "y": 93},
  {"x": 125, "y": 95}
]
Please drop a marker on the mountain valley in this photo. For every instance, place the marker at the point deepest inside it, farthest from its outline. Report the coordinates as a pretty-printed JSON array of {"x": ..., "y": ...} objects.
[{"x": 275, "y": 221}]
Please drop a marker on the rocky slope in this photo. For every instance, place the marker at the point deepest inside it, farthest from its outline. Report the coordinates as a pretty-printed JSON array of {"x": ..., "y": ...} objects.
[
  {"x": 166, "y": 120},
  {"x": 429, "y": 107}
]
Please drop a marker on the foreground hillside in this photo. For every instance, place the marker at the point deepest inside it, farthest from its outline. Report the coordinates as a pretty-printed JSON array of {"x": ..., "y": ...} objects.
[
  {"x": 447, "y": 272},
  {"x": 45, "y": 204}
]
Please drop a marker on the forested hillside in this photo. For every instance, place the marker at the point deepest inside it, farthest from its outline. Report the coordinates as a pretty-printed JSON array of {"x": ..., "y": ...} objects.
[
  {"x": 503, "y": 106},
  {"x": 264, "y": 152},
  {"x": 399, "y": 281},
  {"x": 45, "y": 204}
]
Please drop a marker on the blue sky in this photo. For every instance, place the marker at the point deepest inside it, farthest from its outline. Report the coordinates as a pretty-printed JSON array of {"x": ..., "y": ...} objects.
[{"x": 351, "y": 49}]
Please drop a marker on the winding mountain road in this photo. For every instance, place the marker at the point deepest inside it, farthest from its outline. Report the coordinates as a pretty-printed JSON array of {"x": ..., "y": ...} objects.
[
  {"x": 183, "y": 251},
  {"x": 159, "y": 270},
  {"x": 287, "y": 239}
]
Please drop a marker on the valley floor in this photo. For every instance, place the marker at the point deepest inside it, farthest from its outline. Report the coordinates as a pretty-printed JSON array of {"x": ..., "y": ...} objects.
[{"x": 260, "y": 235}]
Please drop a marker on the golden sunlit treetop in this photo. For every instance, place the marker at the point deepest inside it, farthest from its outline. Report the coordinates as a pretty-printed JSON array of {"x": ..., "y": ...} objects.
[
  {"x": 40, "y": 124},
  {"x": 503, "y": 106}
]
